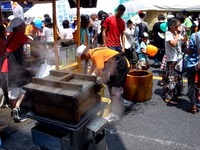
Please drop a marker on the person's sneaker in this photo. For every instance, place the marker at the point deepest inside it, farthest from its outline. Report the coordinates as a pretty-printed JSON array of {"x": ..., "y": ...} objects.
[
  {"x": 112, "y": 117},
  {"x": 16, "y": 116},
  {"x": 194, "y": 109}
]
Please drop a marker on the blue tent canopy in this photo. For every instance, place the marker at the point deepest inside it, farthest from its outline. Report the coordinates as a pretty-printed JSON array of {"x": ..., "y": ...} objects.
[{"x": 7, "y": 5}]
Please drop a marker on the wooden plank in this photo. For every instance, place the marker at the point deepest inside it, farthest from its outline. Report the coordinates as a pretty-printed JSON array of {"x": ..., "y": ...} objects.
[
  {"x": 85, "y": 83},
  {"x": 53, "y": 90},
  {"x": 70, "y": 93},
  {"x": 31, "y": 86},
  {"x": 60, "y": 84},
  {"x": 86, "y": 94},
  {"x": 76, "y": 76},
  {"x": 50, "y": 77},
  {"x": 71, "y": 67},
  {"x": 54, "y": 112},
  {"x": 58, "y": 73},
  {"x": 66, "y": 114},
  {"x": 67, "y": 77},
  {"x": 86, "y": 105},
  {"x": 66, "y": 102}
]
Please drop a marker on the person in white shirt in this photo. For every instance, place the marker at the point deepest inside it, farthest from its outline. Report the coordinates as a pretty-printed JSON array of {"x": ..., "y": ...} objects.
[
  {"x": 47, "y": 33},
  {"x": 129, "y": 41},
  {"x": 67, "y": 32},
  {"x": 171, "y": 87}
]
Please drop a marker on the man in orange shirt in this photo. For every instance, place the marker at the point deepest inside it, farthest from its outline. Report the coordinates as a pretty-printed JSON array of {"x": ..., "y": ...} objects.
[{"x": 112, "y": 67}]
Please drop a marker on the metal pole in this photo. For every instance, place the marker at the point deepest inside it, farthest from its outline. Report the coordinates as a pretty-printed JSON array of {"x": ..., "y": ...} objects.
[{"x": 55, "y": 34}]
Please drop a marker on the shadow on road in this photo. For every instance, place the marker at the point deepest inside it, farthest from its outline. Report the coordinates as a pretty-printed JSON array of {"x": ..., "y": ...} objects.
[{"x": 183, "y": 104}]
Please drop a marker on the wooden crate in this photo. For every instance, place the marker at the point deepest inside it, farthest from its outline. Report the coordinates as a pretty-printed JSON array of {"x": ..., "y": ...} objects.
[{"x": 63, "y": 95}]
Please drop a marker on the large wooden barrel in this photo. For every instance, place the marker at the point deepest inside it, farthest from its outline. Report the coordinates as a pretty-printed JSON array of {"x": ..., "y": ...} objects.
[{"x": 138, "y": 86}]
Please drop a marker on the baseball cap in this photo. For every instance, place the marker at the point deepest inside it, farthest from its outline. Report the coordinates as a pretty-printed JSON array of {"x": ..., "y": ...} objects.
[
  {"x": 80, "y": 50},
  {"x": 16, "y": 22},
  {"x": 85, "y": 18}
]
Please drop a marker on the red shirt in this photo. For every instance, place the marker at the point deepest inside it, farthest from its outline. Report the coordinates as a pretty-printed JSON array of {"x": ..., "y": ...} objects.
[
  {"x": 115, "y": 27},
  {"x": 18, "y": 40},
  {"x": 2, "y": 47}
]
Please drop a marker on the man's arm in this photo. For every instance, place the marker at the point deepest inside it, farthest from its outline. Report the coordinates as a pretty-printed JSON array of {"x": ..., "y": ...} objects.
[
  {"x": 104, "y": 36},
  {"x": 123, "y": 41}
]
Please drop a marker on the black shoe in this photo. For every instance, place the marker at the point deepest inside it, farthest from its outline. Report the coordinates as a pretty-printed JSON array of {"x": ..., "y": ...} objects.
[{"x": 16, "y": 116}]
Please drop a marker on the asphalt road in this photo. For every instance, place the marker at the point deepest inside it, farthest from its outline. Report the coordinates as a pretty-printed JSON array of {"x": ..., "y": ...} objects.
[{"x": 152, "y": 125}]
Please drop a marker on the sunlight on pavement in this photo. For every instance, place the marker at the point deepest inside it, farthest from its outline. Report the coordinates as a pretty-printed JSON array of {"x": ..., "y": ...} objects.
[{"x": 160, "y": 78}]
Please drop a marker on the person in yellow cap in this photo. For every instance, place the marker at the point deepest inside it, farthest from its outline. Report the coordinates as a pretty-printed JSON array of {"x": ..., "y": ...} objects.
[{"x": 112, "y": 67}]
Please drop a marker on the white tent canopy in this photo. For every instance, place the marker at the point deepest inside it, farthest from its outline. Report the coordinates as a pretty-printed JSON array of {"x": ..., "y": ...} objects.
[
  {"x": 163, "y": 5},
  {"x": 38, "y": 10}
]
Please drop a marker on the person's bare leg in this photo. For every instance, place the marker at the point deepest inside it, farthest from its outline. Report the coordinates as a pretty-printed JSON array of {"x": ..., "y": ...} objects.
[
  {"x": 12, "y": 103},
  {"x": 19, "y": 100}
]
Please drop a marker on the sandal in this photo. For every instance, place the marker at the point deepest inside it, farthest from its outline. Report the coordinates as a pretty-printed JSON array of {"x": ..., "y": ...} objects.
[{"x": 194, "y": 109}]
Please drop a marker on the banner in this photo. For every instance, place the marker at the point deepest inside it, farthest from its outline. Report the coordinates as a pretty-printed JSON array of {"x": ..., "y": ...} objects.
[{"x": 62, "y": 12}]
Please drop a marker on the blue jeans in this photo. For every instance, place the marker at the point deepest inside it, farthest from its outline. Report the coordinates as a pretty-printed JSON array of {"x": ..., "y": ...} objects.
[{"x": 117, "y": 48}]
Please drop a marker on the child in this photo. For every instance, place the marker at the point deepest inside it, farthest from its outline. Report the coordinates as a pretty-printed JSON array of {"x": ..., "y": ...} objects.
[{"x": 143, "y": 57}]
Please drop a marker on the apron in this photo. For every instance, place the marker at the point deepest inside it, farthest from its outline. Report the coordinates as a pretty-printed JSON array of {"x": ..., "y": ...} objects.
[{"x": 12, "y": 65}]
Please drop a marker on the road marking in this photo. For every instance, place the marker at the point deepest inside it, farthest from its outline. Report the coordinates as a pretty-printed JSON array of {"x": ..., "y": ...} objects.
[
  {"x": 160, "y": 141},
  {"x": 160, "y": 78}
]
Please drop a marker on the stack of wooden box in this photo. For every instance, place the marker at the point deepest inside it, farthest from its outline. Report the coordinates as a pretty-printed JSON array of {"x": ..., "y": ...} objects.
[{"x": 63, "y": 96}]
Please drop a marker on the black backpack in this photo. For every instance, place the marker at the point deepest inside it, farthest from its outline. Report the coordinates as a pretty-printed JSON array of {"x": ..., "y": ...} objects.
[{"x": 142, "y": 28}]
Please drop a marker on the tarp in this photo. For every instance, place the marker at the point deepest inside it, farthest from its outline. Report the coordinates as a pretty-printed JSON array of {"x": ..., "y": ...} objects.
[
  {"x": 38, "y": 11},
  {"x": 163, "y": 5}
]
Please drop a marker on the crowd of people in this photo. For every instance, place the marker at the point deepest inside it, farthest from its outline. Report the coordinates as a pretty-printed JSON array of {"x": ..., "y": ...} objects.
[
  {"x": 114, "y": 47},
  {"x": 176, "y": 37}
]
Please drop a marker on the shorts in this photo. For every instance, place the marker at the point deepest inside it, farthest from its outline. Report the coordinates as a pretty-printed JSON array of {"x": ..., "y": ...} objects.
[
  {"x": 164, "y": 63},
  {"x": 14, "y": 93}
]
